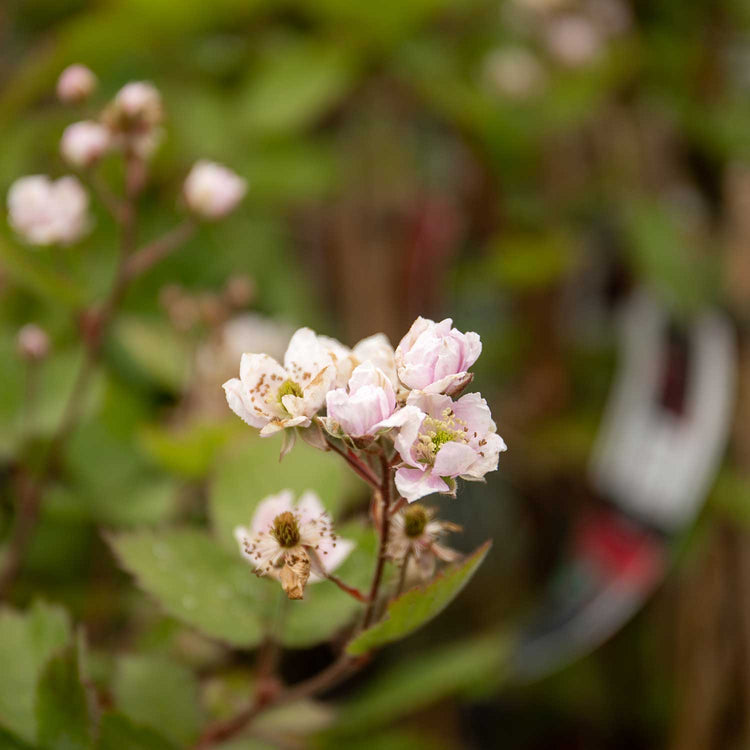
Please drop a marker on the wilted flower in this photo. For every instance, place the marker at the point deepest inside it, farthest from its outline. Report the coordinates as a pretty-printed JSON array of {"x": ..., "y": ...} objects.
[
  {"x": 75, "y": 84},
  {"x": 292, "y": 542},
  {"x": 440, "y": 439},
  {"x": 359, "y": 409},
  {"x": 271, "y": 397},
  {"x": 47, "y": 212},
  {"x": 32, "y": 342},
  {"x": 84, "y": 143},
  {"x": 434, "y": 357},
  {"x": 415, "y": 536},
  {"x": 212, "y": 191}
]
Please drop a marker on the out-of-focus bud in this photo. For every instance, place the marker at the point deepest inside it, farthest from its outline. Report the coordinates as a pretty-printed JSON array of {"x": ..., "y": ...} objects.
[
  {"x": 32, "y": 342},
  {"x": 573, "y": 40},
  {"x": 212, "y": 191},
  {"x": 514, "y": 72},
  {"x": 47, "y": 212},
  {"x": 84, "y": 143},
  {"x": 212, "y": 310},
  {"x": 239, "y": 291},
  {"x": 139, "y": 103},
  {"x": 75, "y": 84}
]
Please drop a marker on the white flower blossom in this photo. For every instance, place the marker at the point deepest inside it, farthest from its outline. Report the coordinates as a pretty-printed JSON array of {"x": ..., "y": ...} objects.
[
  {"x": 84, "y": 143},
  {"x": 359, "y": 409},
  {"x": 440, "y": 439},
  {"x": 212, "y": 191},
  {"x": 293, "y": 543},
  {"x": 435, "y": 357},
  {"x": 47, "y": 212},
  {"x": 272, "y": 397}
]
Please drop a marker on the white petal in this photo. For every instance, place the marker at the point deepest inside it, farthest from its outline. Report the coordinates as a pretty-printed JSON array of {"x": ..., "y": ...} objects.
[
  {"x": 309, "y": 507},
  {"x": 269, "y": 508},
  {"x": 248, "y": 413}
]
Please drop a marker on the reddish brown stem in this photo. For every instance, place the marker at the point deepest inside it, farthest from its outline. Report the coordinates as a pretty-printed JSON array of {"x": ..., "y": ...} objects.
[
  {"x": 361, "y": 469},
  {"x": 151, "y": 254}
]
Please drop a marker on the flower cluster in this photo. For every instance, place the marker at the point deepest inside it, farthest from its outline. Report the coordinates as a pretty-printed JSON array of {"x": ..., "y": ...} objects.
[
  {"x": 404, "y": 399},
  {"x": 56, "y": 212}
]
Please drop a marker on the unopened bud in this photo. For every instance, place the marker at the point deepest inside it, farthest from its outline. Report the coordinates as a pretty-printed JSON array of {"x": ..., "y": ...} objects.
[
  {"x": 239, "y": 291},
  {"x": 75, "y": 84},
  {"x": 212, "y": 191},
  {"x": 84, "y": 143},
  {"x": 32, "y": 342}
]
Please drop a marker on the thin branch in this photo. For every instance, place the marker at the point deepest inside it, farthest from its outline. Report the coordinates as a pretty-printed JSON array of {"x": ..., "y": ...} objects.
[
  {"x": 154, "y": 252},
  {"x": 361, "y": 469},
  {"x": 402, "y": 574}
]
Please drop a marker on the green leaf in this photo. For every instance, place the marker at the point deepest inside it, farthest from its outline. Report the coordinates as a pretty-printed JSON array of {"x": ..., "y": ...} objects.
[
  {"x": 27, "y": 641},
  {"x": 117, "y": 732},
  {"x": 418, "y": 606},
  {"x": 62, "y": 711},
  {"x": 191, "y": 451},
  {"x": 159, "y": 693},
  {"x": 297, "y": 82},
  {"x": 154, "y": 350},
  {"x": 196, "y": 581},
  {"x": 326, "y": 609},
  {"x": 10, "y": 741},
  {"x": 424, "y": 679},
  {"x": 254, "y": 472}
]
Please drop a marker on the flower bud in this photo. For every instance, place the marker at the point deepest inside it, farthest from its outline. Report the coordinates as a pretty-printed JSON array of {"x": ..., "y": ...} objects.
[
  {"x": 47, "y": 212},
  {"x": 514, "y": 72},
  {"x": 84, "y": 143},
  {"x": 32, "y": 342},
  {"x": 139, "y": 104},
  {"x": 75, "y": 84},
  {"x": 574, "y": 40},
  {"x": 212, "y": 191}
]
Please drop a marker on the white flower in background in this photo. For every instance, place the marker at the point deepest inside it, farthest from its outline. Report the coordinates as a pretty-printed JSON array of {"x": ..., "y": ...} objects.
[
  {"x": 415, "y": 537},
  {"x": 573, "y": 39},
  {"x": 47, "y": 212},
  {"x": 514, "y": 72},
  {"x": 75, "y": 84},
  {"x": 32, "y": 342},
  {"x": 377, "y": 349},
  {"x": 294, "y": 544},
  {"x": 440, "y": 439},
  {"x": 273, "y": 397},
  {"x": 84, "y": 143},
  {"x": 212, "y": 191},
  {"x": 359, "y": 409},
  {"x": 435, "y": 357}
]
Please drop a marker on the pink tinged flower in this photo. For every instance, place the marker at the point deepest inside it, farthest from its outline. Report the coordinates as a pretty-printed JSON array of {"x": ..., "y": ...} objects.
[
  {"x": 376, "y": 349},
  {"x": 84, "y": 143},
  {"x": 75, "y": 84},
  {"x": 293, "y": 543},
  {"x": 47, "y": 212},
  {"x": 434, "y": 357},
  {"x": 440, "y": 439},
  {"x": 212, "y": 191},
  {"x": 272, "y": 397},
  {"x": 416, "y": 536},
  {"x": 360, "y": 409}
]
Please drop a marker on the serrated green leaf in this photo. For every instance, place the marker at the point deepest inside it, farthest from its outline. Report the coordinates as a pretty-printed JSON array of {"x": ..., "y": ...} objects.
[
  {"x": 159, "y": 693},
  {"x": 422, "y": 680},
  {"x": 418, "y": 606},
  {"x": 326, "y": 608},
  {"x": 27, "y": 641},
  {"x": 117, "y": 732},
  {"x": 62, "y": 710},
  {"x": 254, "y": 472},
  {"x": 196, "y": 581}
]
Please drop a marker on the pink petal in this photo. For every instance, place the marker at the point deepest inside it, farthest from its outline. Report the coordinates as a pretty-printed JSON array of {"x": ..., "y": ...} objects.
[
  {"x": 453, "y": 459},
  {"x": 414, "y": 483},
  {"x": 269, "y": 508}
]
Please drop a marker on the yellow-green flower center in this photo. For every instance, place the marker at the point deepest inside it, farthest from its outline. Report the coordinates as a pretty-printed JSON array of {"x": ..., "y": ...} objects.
[
  {"x": 286, "y": 529},
  {"x": 289, "y": 388},
  {"x": 415, "y": 520},
  {"x": 435, "y": 433}
]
